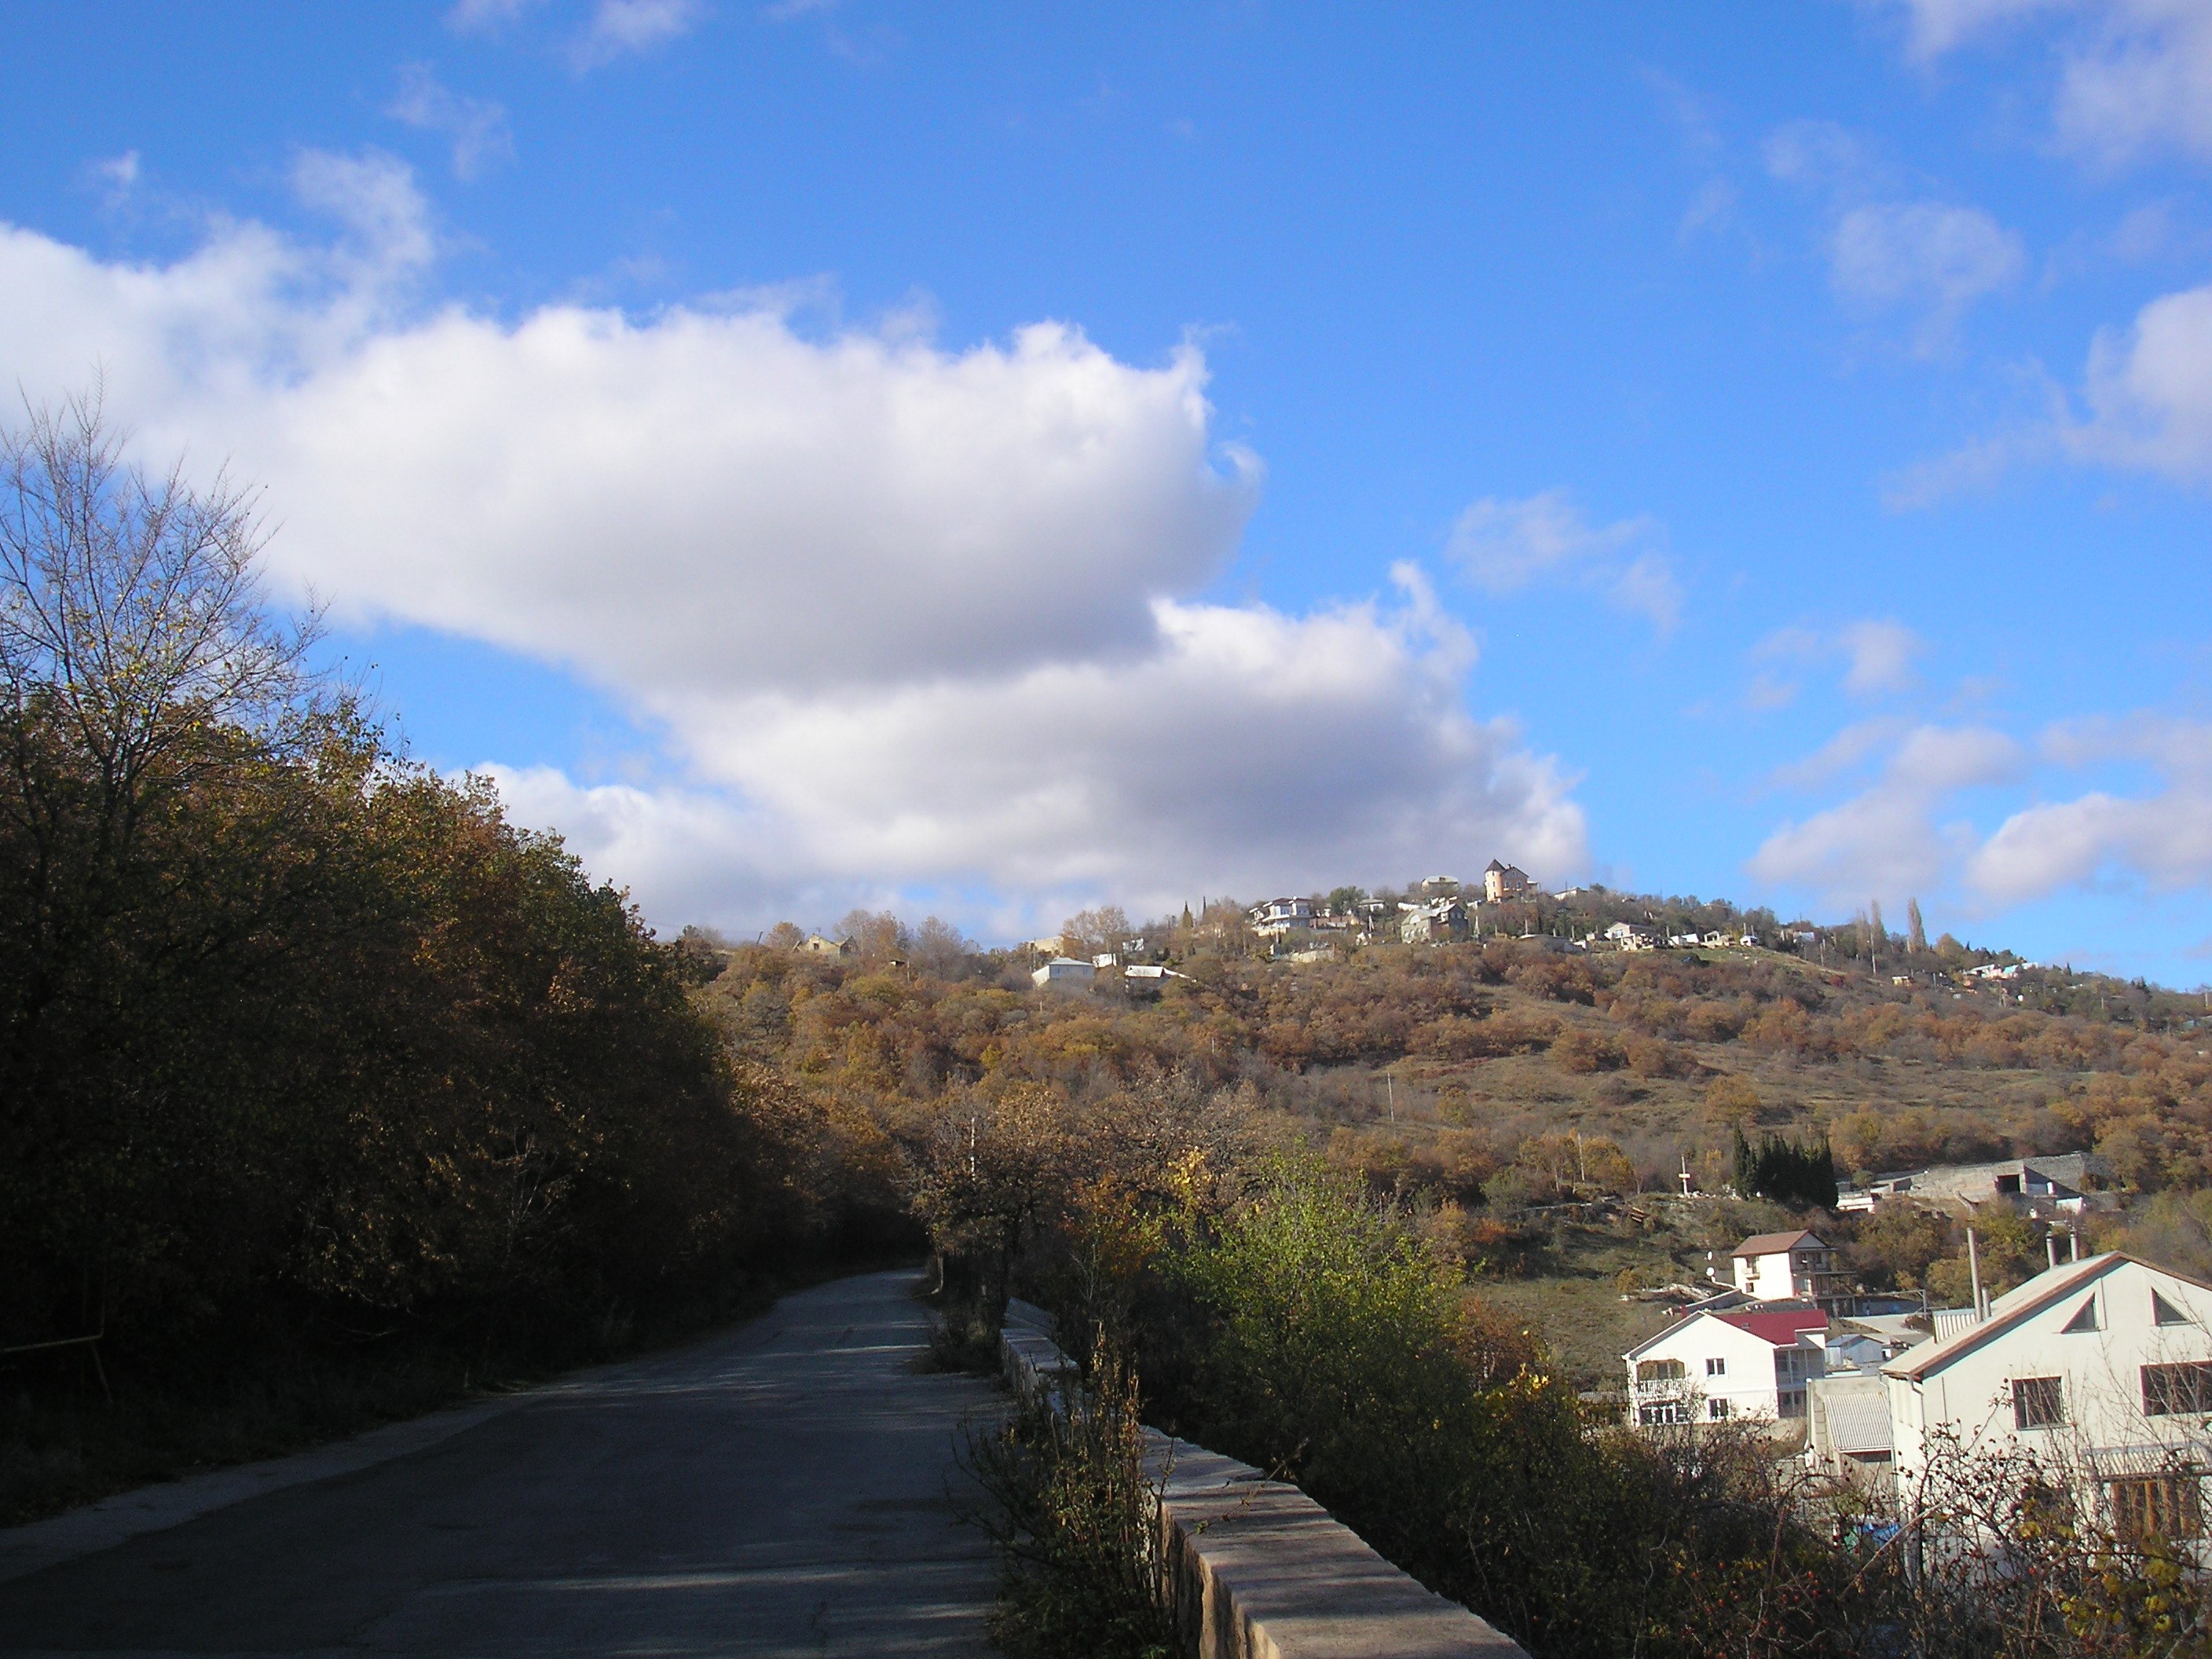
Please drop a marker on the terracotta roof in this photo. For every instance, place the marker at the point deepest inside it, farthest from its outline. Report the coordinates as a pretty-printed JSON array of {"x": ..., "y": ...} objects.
[{"x": 1776, "y": 1244}]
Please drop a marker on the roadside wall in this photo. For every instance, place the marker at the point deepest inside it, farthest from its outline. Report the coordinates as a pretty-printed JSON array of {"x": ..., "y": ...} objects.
[{"x": 1261, "y": 1571}]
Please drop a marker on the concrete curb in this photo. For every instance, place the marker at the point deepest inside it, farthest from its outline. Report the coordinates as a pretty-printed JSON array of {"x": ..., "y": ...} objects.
[{"x": 1261, "y": 1571}]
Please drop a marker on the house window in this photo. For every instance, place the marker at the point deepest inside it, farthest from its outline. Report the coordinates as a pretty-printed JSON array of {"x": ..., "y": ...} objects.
[
  {"x": 1791, "y": 1402},
  {"x": 2038, "y": 1402},
  {"x": 2163, "y": 1312},
  {"x": 1718, "y": 1410},
  {"x": 2167, "y": 1506},
  {"x": 1717, "y": 1368},
  {"x": 1660, "y": 1413},
  {"x": 2085, "y": 1318},
  {"x": 2177, "y": 1390},
  {"x": 1658, "y": 1370}
]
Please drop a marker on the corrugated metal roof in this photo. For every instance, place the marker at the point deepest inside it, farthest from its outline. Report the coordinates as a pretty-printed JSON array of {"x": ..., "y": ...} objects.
[{"x": 1858, "y": 1425}]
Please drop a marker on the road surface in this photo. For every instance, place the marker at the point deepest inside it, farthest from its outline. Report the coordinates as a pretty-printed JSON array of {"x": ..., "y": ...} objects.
[{"x": 779, "y": 1489}]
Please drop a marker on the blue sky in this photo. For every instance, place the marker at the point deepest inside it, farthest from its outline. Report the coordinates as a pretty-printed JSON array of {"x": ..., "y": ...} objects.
[{"x": 828, "y": 453}]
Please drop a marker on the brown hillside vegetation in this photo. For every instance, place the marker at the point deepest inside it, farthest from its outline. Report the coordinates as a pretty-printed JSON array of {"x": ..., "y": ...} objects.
[
  {"x": 1446, "y": 1068},
  {"x": 1479, "y": 1087}
]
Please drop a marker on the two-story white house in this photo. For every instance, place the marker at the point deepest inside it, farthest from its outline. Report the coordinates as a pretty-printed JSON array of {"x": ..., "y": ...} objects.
[
  {"x": 1280, "y": 915},
  {"x": 1714, "y": 1367},
  {"x": 2099, "y": 1368},
  {"x": 1784, "y": 1267}
]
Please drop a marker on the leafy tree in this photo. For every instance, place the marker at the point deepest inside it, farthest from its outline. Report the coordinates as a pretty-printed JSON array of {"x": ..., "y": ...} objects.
[{"x": 296, "y": 1038}]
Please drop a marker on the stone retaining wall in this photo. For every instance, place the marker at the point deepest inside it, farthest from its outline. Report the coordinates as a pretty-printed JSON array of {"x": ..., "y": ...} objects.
[{"x": 1261, "y": 1571}]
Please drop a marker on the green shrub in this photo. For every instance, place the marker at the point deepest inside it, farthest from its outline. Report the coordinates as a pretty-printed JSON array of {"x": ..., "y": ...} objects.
[{"x": 1074, "y": 1517}]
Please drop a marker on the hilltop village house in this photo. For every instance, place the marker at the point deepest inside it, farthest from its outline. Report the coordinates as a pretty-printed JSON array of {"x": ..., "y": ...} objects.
[
  {"x": 1278, "y": 916},
  {"x": 1501, "y": 882},
  {"x": 1431, "y": 921},
  {"x": 1065, "y": 974}
]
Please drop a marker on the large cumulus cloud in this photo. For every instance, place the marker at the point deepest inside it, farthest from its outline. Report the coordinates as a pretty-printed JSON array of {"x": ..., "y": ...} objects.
[{"x": 913, "y": 619}]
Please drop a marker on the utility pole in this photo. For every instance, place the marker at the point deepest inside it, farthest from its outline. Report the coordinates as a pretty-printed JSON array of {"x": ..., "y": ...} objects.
[{"x": 1974, "y": 1274}]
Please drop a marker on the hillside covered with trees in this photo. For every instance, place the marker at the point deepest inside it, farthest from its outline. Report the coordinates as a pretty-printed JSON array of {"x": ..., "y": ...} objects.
[{"x": 1489, "y": 1087}]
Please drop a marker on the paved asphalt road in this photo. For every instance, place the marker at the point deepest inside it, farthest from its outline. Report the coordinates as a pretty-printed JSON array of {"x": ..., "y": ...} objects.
[{"x": 779, "y": 1489}]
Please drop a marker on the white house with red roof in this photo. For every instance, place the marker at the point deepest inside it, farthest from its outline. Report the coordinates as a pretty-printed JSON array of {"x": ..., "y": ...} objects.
[
  {"x": 1743, "y": 1362},
  {"x": 2099, "y": 1368}
]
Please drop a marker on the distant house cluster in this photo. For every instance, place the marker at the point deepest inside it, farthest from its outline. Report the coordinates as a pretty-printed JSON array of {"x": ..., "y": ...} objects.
[
  {"x": 1641, "y": 936},
  {"x": 1439, "y": 911}
]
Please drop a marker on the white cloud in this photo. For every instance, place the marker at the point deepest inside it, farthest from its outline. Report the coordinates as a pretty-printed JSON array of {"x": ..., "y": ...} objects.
[
  {"x": 2150, "y": 389},
  {"x": 2146, "y": 404},
  {"x": 1249, "y": 749},
  {"x": 1897, "y": 836},
  {"x": 1822, "y": 154},
  {"x": 1503, "y": 546},
  {"x": 1877, "y": 654},
  {"x": 907, "y": 615},
  {"x": 121, "y": 172},
  {"x": 1881, "y": 655},
  {"x": 622, "y": 26},
  {"x": 1926, "y": 261},
  {"x": 1886, "y": 841},
  {"x": 2163, "y": 838},
  {"x": 1936, "y": 26},
  {"x": 2146, "y": 84},
  {"x": 477, "y": 129},
  {"x": 1930, "y": 258},
  {"x": 2135, "y": 76},
  {"x": 486, "y": 16}
]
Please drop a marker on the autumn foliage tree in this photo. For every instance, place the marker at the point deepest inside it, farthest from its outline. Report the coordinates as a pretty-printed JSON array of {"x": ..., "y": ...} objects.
[{"x": 297, "y": 1038}]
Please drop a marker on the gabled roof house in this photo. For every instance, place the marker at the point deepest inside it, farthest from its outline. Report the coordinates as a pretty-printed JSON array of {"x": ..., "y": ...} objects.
[
  {"x": 2101, "y": 1368},
  {"x": 1746, "y": 1361}
]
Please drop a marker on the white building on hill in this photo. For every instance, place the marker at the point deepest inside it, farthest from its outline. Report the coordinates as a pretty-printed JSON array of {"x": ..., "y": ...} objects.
[
  {"x": 1745, "y": 1362},
  {"x": 1065, "y": 974},
  {"x": 1781, "y": 1266}
]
